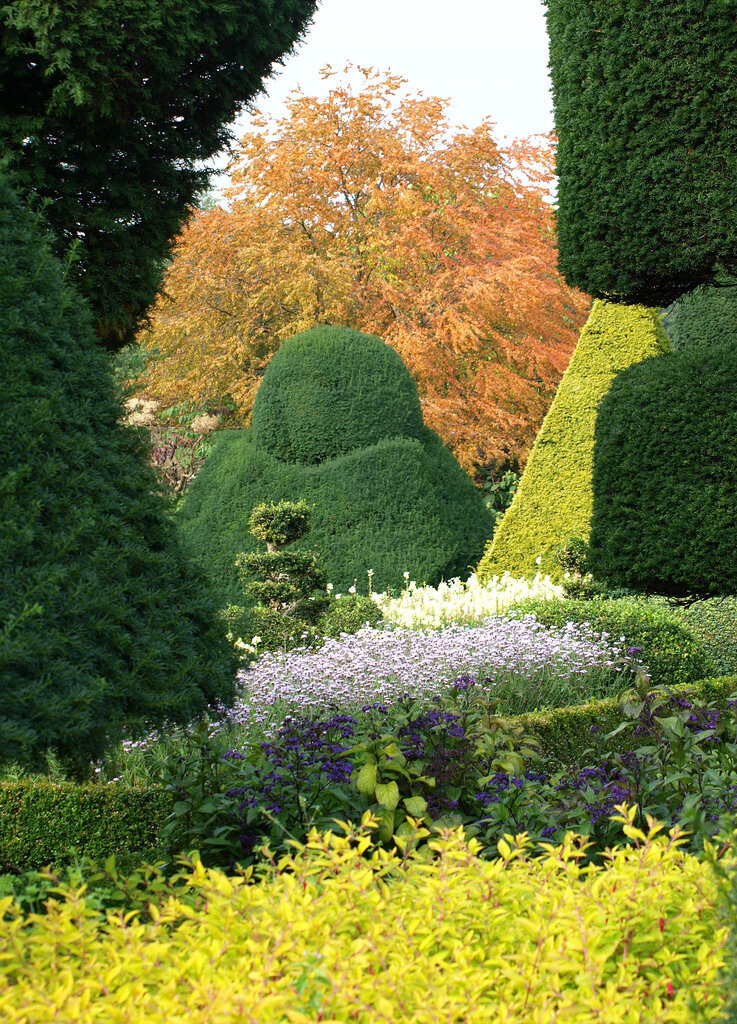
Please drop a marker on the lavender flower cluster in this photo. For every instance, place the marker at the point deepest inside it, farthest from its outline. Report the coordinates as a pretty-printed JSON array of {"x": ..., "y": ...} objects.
[{"x": 386, "y": 664}]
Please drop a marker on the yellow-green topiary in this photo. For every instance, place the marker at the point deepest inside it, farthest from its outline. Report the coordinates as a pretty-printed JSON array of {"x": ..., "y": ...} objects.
[
  {"x": 554, "y": 500},
  {"x": 337, "y": 932}
]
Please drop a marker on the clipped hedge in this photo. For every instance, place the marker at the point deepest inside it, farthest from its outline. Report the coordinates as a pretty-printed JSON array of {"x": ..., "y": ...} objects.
[
  {"x": 645, "y": 157},
  {"x": 670, "y": 649},
  {"x": 401, "y": 504},
  {"x": 529, "y": 936},
  {"x": 553, "y": 502},
  {"x": 331, "y": 390},
  {"x": 706, "y": 316},
  {"x": 40, "y": 821},
  {"x": 564, "y": 733},
  {"x": 665, "y": 465}
]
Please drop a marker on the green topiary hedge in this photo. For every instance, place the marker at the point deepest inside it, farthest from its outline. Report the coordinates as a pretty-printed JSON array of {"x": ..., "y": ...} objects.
[
  {"x": 670, "y": 650},
  {"x": 564, "y": 733},
  {"x": 554, "y": 498},
  {"x": 665, "y": 465},
  {"x": 383, "y": 503},
  {"x": 41, "y": 821},
  {"x": 643, "y": 92},
  {"x": 330, "y": 391},
  {"x": 705, "y": 316},
  {"x": 399, "y": 505},
  {"x": 104, "y": 625}
]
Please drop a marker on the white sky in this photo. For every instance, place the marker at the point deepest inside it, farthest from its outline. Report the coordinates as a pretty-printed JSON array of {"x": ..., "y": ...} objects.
[{"x": 488, "y": 57}]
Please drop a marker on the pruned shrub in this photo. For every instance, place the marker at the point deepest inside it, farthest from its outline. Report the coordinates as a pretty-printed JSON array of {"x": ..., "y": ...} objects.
[{"x": 665, "y": 464}]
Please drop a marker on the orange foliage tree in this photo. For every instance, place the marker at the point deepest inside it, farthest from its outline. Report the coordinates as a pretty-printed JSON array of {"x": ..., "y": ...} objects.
[{"x": 363, "y": 209}]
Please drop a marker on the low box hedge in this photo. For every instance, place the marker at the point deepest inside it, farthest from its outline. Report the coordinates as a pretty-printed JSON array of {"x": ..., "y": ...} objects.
[
  {"x": 41, "y": 821},
  {"x": 564, "y": 733}
]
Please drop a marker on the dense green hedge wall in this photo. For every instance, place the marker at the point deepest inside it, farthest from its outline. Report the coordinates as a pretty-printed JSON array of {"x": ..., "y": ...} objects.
[
  {"x": 553, "y": 501},
  {"x": 40, "y": 822},
  {"x": 643, "y": 92},
  {"x": 670, "y": 649},
  {"x": 330, "y": 391},
  {"x": 402, "y": 504},
  {"x": 565, "y": 733},
  {"x": 103, "y": 622},
  {"x": 706, "y": 316},
  {"x": 665, "y": 465}
]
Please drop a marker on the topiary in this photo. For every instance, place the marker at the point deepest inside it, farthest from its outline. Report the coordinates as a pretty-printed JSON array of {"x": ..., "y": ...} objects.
[
  {"x": 553, "y": 501},
  {"x": 104, "y": 625},
  {"x": 665, "y": 465},
  {"x": 706, "y": 316},
  {"x": 330, "y": 391},
  {"x": 645, "y": 153},
  {"x": 670, "y": 650},
  {"x": 401, "y": 503}
]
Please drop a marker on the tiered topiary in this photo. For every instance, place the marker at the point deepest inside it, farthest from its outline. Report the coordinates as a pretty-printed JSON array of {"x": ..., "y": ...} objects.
[
  {"x": 553, "y": 503},
  {"x": 642, "y": 94},
  {"x": 103, "y": 623},
  {"x": 290, "y": 591},
  {"x": 337, "y": 422},
  {"x": 665, "y": 466}
]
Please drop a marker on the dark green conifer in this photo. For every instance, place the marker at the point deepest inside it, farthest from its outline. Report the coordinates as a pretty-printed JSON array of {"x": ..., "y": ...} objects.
[
  {"x": 108, "y": 109},
  {"x": 103, "y": 623},
  {"x": 644, "y": 93}
]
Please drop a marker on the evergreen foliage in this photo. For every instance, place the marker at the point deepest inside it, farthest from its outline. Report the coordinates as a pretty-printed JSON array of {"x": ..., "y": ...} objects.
[
  {"x": 108, "y": 108},
  {"x": 553, "y": 502},
  {"x": 666, "y": 645},
  {"x": 103, "y": 623},
  {"x": 398, "y": 503},
  {"x": 705, "y": 316},
  {"x": 665, "y": 465},
  {"x": 643, "y": 93},
  {"x": 331, "y": 390}
]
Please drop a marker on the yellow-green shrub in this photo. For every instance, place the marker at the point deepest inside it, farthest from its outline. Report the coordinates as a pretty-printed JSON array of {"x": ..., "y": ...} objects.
[
  {"x": 554, "y": 499},
  {"x": 339, "y": 933}
]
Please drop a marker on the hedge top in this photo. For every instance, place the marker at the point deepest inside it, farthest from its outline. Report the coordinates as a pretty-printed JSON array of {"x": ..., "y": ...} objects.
[{"x": 331, "y": 390}]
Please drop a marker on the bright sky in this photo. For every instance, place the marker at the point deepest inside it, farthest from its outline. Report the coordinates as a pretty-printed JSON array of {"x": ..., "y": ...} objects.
[{"x": 488, "y": 57}]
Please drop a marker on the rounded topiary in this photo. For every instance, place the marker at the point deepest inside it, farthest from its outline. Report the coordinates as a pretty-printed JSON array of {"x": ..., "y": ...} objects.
[
  {"x": 664, "y": 476},
  {"x": 330, "y": 391},
  {"x": 103, "y": 622},
  {"x": 552, "y": 504},
  {"x": 706, "y": 316},
  {"x": 402, "y": 504}
]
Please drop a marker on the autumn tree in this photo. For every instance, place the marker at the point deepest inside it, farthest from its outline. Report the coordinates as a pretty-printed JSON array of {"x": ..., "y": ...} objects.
[
  {"x": 364, "y": 208},
  {"x": 108, "y": 110}
]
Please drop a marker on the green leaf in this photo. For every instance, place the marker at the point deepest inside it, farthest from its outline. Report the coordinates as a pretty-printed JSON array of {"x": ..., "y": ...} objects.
[
  {"x": 416, "y": 805},
  {"x": 366, "y": 780},
  {"x": 387, "y": 794}
]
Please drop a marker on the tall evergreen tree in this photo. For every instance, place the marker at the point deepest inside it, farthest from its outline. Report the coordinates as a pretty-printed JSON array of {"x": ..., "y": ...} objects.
[
  {"x": 104, "y": 625},
  {"x": 108, "y": 108}
]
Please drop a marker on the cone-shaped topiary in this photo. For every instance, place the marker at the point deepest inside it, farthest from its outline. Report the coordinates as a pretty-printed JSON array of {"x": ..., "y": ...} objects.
[
  {"x": 665, "y": 476},
  {"x": 385, "y": 494},
  {"x": 103, "y": 624},
  {"x": 553, "y": 502},
  {"x": 331, "y": 390}
]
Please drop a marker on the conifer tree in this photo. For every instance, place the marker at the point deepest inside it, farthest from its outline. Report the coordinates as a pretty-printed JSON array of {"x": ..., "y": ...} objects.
[
  {"x": 108, "y": 109},
  {"x": 104, "y": 625}
]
